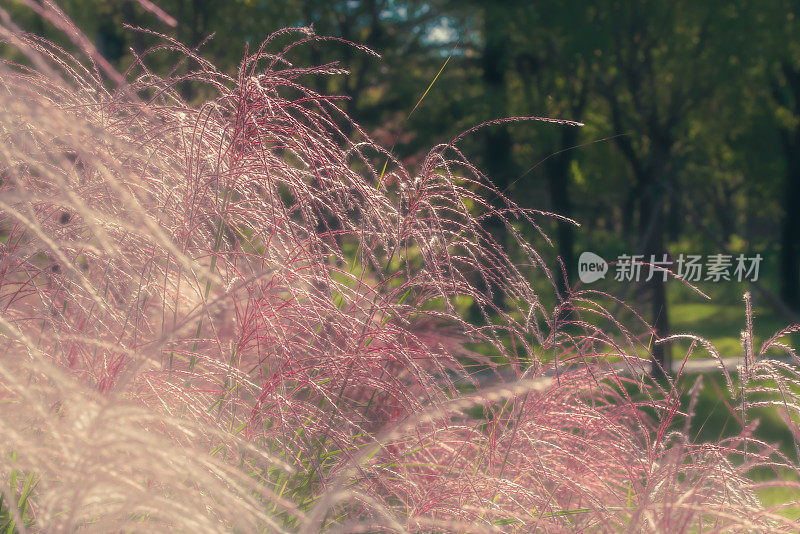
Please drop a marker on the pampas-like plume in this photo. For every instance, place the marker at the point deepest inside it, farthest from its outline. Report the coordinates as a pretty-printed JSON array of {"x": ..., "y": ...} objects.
[{"x": 227, "y": 316}]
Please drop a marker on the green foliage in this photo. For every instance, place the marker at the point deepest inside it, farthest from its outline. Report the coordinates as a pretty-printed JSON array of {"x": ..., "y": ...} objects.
[{"x": 17, "y": 496}]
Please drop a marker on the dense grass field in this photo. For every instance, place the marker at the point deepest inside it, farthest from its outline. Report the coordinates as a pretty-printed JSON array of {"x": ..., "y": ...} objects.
[{"x": 223, "y": 314}]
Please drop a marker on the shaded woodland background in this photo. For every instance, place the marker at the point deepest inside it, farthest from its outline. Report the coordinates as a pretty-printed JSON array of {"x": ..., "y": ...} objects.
[{"x": 692, "y": 113}]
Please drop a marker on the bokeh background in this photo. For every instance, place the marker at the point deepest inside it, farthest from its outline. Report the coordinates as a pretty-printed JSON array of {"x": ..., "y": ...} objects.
[{"x": 691, "y": 143}]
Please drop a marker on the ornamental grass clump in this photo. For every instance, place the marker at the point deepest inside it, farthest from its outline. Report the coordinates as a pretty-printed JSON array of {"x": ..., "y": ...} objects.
[{"x": 229, "y": 316}]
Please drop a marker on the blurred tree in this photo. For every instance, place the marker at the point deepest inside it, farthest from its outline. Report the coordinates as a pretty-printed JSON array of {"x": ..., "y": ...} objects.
[
  {"x": 495, "y": 58},
  {"x": 781, "y": 28},
  {"x": 651, "y": 83},
  {"x": 555, "y": 69}
]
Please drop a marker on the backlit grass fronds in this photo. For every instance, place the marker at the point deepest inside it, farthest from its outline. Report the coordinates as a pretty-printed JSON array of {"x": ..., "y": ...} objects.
[{"x": 226, "y": 315}]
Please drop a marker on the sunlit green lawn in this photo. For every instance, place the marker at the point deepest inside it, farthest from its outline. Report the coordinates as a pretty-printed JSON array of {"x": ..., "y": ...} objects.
[
  {"x": 721, "y": 324},
  {"x": 713, "y": 421}
]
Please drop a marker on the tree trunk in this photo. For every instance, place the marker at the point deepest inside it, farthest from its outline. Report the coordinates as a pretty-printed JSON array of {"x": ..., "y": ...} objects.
[
  {"x": 790, "y": 232},
  {"x": 652, "y": 216},
  {"x": 557, "y": 170},
  {"x": 497, "y": 158}
]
